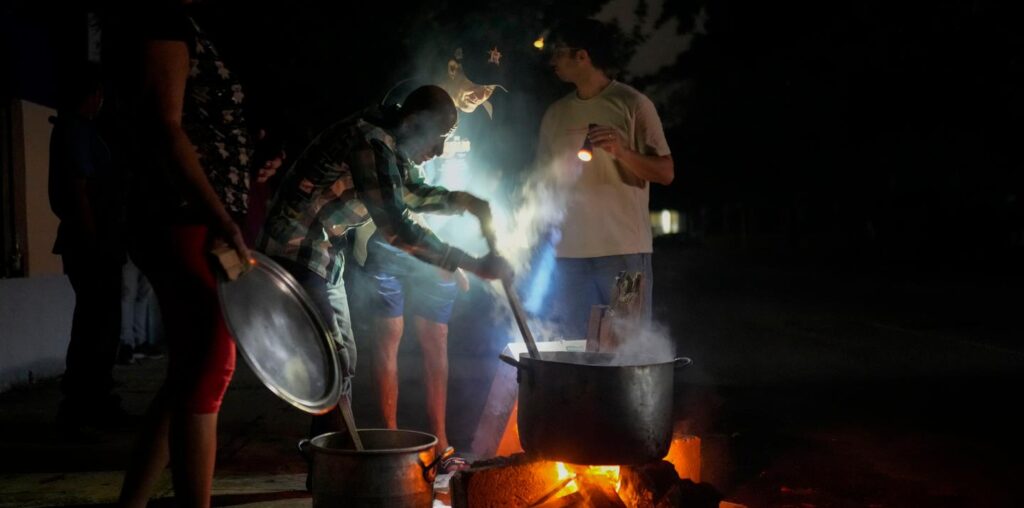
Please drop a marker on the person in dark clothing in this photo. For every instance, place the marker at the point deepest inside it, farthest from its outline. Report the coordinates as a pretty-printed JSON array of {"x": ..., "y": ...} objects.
[
  {"x": 85, "y": 195},
  {"x": 191, "y": 194}
]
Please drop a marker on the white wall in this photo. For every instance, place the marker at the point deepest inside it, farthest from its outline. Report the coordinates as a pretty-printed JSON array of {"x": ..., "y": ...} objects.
[
  {"x": 41, "y": 223},
  {"x": 35, "y": 327},
  {"x": 35, "y": 312}
]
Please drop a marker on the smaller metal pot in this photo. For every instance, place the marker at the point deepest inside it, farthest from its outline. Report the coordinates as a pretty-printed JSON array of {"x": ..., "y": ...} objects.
[{"x": 395, "y": 468}]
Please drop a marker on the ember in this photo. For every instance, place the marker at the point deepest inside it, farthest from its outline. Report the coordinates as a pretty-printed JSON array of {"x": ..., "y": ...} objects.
[{"x": 519, "y": 480}]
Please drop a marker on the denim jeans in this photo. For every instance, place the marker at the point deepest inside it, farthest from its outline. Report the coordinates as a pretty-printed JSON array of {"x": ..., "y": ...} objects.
[
  {"x": 580, "y": 283},
  {"x": 140, "y": 312},
  {"x": 330, "y": 298},
  {"x": 95, "y": 325}
]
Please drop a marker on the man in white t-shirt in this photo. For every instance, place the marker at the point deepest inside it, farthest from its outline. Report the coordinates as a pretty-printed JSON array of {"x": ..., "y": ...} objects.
[{"x": 607, "y": 226}]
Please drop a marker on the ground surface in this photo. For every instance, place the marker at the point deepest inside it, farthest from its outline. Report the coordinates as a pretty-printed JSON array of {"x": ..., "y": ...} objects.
[{"x": 812, "y": 386}]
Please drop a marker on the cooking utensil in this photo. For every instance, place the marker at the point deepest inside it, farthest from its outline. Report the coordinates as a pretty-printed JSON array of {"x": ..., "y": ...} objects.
[
  {"x": 281, "y": 335},
  {"x": 396, "y": 468},
  {"x": 513, "y": 298},
  {"x": 350, "y": 424},
  {"x": 520, "y": 316},
  {"x": 594, "y": 408}
]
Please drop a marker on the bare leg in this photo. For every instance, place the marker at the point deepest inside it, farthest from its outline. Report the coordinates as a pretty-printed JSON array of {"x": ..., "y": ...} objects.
[
  {"x": 433, "y": 338},
  {"x": 193, "y": 445},
  {"x": 149, "y": 458},
  {"x": 385, "y": 366}
]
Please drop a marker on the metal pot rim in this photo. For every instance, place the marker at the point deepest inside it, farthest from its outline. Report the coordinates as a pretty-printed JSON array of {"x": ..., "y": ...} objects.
[
  {"x": 385, "y": 451},
  {"x": 645, "y": 363}
]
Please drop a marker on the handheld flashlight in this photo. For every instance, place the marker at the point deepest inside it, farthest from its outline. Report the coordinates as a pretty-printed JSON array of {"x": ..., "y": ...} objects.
[{"x": 586, "y": 153}]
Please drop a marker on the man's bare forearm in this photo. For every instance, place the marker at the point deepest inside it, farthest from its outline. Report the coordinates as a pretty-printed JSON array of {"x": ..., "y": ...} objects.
[{"x": 653, "y": 168}]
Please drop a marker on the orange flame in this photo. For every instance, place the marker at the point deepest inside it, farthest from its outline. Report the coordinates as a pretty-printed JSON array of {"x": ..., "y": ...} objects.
[
  {"x": 564, "y": 474},
  {"x": 606, "y": 474},
  {"x": 609, "y": 474}
]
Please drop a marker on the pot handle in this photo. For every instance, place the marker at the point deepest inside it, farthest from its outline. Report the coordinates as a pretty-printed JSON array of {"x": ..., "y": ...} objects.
[
  {"x": 304, "y": 445},
  {"x": 682, "y": 361},
  {"x": 430, "y": 470},
  {"x": 511, "y": 361}
]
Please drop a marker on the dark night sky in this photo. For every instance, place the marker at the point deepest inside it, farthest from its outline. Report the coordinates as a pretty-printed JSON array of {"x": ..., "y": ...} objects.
[{"x": 860, "y": 127}]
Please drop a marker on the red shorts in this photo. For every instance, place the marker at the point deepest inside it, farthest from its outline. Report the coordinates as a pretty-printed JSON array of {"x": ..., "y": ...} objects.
[{"x": 201, "y": 351}]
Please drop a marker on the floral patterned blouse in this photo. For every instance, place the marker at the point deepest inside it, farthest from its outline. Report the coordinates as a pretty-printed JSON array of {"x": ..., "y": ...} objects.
[{"x": 213, "y": 117}]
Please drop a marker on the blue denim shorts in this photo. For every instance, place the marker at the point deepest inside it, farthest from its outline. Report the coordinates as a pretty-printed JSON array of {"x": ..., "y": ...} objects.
[{"x": 396, "y": 277}]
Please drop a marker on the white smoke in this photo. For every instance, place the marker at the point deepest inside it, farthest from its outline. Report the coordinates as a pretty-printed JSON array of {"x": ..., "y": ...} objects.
[
  {"x": 539, "y": 210},
  {"x": 642, "y": 343},
  {"x": 540, "y": 207}
]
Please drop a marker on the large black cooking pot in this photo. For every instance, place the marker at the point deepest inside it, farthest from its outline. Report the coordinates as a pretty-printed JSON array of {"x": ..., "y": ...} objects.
[{"x": 595, "y": 408}]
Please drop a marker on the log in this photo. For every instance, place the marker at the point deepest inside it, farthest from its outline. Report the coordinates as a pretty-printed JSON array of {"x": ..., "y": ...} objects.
[
  {"x": 599, "y": 494},
  {"x": 502, "y": 482},
  {"x": 644, "y": 485},
  {"x": 573, "y": 500}
]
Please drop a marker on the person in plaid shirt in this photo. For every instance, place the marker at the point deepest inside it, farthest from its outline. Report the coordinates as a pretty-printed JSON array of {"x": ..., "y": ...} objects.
[{"x": 360, "y": 169}]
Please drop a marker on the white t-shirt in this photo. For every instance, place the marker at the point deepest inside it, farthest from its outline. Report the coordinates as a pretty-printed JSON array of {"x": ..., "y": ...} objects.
[{"x": 606, "y": 205}]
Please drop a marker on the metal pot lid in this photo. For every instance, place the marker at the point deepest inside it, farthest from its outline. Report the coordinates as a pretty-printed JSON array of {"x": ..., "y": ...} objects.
[{"x": 282, "y": 336}]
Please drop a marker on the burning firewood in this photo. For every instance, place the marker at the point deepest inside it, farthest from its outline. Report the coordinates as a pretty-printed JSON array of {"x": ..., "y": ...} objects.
[
  {"x": 644, "y": 486},
  {"x": 657, "y": 485},
  {"x": 553, "y": 494},
  {"x": 574, "y": 500},
  {"x": 599, "y": 494},
  {"x": 520, "y": 480}
]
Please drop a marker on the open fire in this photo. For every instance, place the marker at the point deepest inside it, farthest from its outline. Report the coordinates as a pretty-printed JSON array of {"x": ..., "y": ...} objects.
[
  {"x": 517, "y": 480},
  {"x": 569, "y": 473}
]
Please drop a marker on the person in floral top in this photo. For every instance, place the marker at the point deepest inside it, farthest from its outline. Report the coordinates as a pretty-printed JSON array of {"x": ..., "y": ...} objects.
[{"x": 191, "y": 194}]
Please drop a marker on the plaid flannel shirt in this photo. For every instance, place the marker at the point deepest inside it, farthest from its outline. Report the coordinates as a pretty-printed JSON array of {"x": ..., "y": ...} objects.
[{"x": 352, "y": 173}]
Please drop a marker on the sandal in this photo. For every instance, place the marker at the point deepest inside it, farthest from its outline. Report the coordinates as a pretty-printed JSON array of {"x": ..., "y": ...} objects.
[{"x": 451, "y": 464}]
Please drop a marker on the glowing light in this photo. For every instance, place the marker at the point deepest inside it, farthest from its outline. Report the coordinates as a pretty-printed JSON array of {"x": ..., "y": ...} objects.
[
  {"x": 585, "y": 155},
  {"x": 538, "y": 287},
  {"x": 665, "y": 222},
  {"x": 539, "y": 43}
]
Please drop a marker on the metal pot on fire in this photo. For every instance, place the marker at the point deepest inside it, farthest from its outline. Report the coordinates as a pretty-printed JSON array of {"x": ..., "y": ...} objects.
[{"x": 590, "y": 408}]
